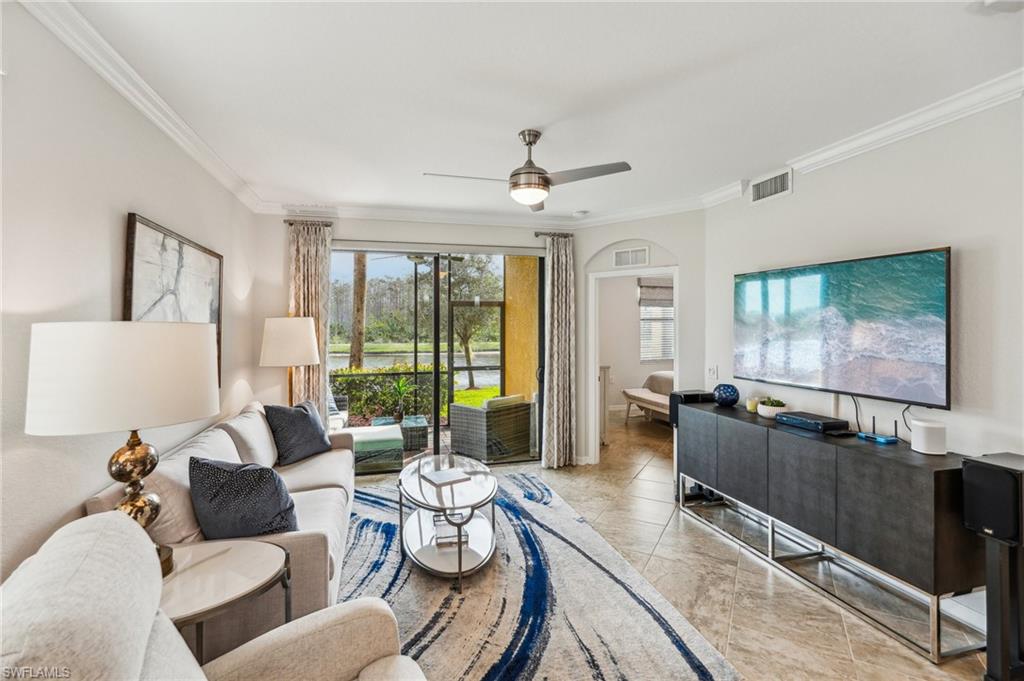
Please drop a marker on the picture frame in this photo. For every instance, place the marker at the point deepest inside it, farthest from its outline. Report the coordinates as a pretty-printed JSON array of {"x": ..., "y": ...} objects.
[{"x": 170, "y": 278}]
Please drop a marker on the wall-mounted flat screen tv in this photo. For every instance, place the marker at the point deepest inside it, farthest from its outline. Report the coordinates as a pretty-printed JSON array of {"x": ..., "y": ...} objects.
[{"x": 872, "y": 327}]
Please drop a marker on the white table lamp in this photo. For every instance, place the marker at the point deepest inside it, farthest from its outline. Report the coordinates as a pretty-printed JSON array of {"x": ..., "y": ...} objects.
[
  {"x": 289, "y": 342},
  {"x": 101, "y": 377}
]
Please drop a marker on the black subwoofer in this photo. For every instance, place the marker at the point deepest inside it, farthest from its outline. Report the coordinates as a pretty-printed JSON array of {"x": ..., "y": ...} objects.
[
  {"x": 992, "y": 496},
  {"x": 993, "y": 509}
]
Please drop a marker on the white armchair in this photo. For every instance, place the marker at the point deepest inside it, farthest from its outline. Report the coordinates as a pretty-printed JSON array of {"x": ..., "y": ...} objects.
[{"x": 88, "y": 602}]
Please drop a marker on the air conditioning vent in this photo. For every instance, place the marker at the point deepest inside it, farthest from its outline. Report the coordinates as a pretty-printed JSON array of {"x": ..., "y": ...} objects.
[
  {"x": 776, "y": 184},
  {"x": 631, "y": 257}
]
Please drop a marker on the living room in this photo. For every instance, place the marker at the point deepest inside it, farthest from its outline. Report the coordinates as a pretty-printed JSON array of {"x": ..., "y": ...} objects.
[{"x": 327, "y": 179}]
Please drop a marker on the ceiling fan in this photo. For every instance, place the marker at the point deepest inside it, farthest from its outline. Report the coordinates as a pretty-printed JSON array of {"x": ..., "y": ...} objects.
[{"x": 530, "y": 184}]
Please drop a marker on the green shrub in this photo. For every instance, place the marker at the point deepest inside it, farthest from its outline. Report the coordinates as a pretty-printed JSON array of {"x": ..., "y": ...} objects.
[{"x": 371, "y": 392}]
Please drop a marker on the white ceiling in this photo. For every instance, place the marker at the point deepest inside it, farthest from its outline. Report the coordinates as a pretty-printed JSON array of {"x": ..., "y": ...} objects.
[{"x": 347, "y": 104}]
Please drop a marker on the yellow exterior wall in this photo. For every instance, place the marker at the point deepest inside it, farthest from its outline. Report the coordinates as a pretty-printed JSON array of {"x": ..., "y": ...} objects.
[{"x": 521, "y": 325}]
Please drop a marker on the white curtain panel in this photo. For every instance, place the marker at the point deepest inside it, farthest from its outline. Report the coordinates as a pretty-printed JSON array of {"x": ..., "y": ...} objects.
[
  {"x": 309, "y": 247},
  {"x": 559, "y": 446}
]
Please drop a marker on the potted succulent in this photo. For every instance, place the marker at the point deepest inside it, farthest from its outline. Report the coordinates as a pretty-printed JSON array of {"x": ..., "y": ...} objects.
[
  {"x": 401, "y": 389},
  {"x": 769, "y": 407}
]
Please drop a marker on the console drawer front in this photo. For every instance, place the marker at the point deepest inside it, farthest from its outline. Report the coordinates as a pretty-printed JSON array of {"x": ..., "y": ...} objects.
[
  {"x": 885, "y": 516},
  {"x": 698, "y": 445},
  {"x": 802, "y": 484},
  {"x": 743, "y": 462}
]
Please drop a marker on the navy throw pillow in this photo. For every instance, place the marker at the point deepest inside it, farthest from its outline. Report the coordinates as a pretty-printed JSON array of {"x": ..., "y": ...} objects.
[
  {"x": 239, "y": 499},
  {"x": 298, "y": 432}
]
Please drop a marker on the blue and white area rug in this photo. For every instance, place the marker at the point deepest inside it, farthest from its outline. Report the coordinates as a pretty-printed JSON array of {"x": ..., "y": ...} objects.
[{"x": 555, "y": 602}]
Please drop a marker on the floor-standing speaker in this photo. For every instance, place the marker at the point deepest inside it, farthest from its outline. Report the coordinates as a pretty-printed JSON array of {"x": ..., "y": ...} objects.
[{"x": 993, "y": 490}]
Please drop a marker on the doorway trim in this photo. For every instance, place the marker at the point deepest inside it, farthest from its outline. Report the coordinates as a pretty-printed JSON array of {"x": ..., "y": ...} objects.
[{"x": 592, "y": 362}]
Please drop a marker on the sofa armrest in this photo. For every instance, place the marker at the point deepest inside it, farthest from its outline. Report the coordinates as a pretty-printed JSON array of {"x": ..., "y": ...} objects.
[
  {"x": 342, "y": 440},
  {"x": 311, "y": 568},
  {"x": 336, "y": 643}
]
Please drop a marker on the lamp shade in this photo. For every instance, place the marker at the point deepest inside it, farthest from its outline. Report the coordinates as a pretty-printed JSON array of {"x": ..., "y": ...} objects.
[
  {"x": 101, "y": 377},
  {"x": 289, "y": 342}
]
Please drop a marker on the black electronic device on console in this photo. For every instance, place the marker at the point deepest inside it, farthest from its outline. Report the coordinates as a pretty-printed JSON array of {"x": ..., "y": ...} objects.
[
  {"x": 678, "y": 397},
  {"x": 808, "y": 421},
  {"x": 993, "y": 507}
]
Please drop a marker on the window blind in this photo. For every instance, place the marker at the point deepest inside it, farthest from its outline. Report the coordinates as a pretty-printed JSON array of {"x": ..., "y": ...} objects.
[
  {"x": 657, "y": 333},
  {"x": 655, "y": 291},
  {"x": 657, "y": 319}
]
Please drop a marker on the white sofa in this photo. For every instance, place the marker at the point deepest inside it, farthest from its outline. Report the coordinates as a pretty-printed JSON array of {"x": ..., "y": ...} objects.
[
  {"x": 86, "y": 606},
  {"x": 322, "y": 487}
]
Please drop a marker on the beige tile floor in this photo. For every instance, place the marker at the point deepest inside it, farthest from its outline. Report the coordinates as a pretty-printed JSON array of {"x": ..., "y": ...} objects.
[{"x": 766, "y": 623}]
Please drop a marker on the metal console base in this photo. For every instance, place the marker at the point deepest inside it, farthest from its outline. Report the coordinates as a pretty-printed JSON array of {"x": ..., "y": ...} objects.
[{"x": 934, "y": 652}]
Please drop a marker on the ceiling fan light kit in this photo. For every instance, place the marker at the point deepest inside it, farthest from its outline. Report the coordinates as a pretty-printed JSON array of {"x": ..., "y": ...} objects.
[{"x": 529, "y": 184}]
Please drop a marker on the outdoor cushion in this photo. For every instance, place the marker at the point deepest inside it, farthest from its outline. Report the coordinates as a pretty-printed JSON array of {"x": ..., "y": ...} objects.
[
  {"x": 252, "y": 437},
  {"x": 330, "y": 469},
  {"x": 376, "y": 438},
  {"x": 496, "y": 402}
]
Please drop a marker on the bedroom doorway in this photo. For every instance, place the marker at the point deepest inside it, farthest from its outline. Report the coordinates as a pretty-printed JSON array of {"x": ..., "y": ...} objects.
[{"x": 632, "y": 362}]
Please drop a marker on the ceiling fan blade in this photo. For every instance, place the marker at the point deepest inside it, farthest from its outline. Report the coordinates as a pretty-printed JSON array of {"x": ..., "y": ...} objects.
[
  {"x": 577, "y": 174},
  {"x": 537, "y": 207},
  {"x": 465, "y": 177}
]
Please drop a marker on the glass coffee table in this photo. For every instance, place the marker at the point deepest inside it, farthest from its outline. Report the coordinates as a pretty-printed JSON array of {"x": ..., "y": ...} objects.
[{"x": 456, "y": 506}]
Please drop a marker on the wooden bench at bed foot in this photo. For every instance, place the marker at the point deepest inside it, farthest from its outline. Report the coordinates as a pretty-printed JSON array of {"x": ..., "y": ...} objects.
[{"x": 647, "y": 400}]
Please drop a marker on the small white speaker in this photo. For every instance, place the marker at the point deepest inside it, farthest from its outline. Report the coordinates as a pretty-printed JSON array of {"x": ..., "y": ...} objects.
[{"x": 928, "y": 437}]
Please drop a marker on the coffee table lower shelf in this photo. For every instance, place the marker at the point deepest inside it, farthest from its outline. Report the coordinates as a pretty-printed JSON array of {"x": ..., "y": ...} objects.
[{"x": 418, "y": 544}]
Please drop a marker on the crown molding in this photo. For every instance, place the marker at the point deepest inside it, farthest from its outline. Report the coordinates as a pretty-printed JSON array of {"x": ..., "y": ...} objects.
[
  {"x": 407, "y": 214},
  {"x": 733, "y": 190},
  {"x": 997, "y": 91},
  {"x": 72, "y": 29}
]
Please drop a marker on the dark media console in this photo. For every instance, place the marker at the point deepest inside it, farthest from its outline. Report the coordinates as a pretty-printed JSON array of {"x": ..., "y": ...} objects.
[{"x": 886, "y": 505}]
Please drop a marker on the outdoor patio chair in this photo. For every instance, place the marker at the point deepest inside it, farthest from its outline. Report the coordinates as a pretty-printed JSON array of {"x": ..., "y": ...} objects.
[{"x": 500, "y": 429}]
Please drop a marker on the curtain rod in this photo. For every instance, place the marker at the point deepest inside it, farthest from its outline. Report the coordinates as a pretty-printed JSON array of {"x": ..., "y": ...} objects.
[{"x": 552, "y": 234}]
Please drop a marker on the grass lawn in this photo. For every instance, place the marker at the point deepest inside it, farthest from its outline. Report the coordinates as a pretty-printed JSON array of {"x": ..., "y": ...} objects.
[
  {"x": 387, "y": 348},
  {"x": 477, "y": 397}
]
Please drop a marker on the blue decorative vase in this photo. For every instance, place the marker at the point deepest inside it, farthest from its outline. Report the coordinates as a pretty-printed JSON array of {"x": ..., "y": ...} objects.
[{"x": 726, "y": 394}]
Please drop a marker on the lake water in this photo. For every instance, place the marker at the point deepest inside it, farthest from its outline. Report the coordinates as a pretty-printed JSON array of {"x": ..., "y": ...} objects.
[{"x": 339, "y": 360}]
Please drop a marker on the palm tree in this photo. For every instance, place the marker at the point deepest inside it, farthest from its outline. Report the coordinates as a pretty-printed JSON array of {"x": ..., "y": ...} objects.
[{"x": 355, "y": 358}]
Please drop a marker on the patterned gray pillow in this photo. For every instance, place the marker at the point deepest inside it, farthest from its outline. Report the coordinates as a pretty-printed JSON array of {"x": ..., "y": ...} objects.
[
  {"x": 298, "y": 432},
  {"x": 239, "y": 499}
]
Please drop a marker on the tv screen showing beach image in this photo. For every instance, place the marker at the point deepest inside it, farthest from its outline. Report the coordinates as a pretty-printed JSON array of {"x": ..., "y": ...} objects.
[{"x": 875, "y": 327}]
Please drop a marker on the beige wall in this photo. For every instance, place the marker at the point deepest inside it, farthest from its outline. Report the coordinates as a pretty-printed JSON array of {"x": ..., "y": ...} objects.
[
  {"x": 958, "y": 185},
  {"x": 674, "y": 240},
  {"x": 77, "y": 158},
  {"x": 619, "y": 337}
]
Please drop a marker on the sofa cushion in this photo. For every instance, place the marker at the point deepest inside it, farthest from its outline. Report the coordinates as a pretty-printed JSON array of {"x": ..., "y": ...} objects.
[
  {"x": 392, "y": 668},
  {"x": 335, "y": 468},
  {"x": 167, "y": 655},
  {"x": 239, "y": 499},
  {"x": 85, "y": 601},
  {"x": 212, "y": 443},
  {"x": 298, "y": 432},
  {"x": 176, "y": 522},
  {"x": 325, "y": 510},
  {"x": 251, "y": 435}
]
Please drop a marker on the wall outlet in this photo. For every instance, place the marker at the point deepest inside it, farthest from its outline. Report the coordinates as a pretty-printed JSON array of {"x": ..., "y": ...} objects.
[{"x": 713, "y": 373}]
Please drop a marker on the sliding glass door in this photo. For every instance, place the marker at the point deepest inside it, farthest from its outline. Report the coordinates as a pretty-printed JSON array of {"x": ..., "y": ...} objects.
[{"x": 438, "y": 352}]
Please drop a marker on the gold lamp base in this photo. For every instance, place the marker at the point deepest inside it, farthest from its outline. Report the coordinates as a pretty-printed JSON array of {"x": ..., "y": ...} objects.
[{"x": 130, "y": 465}]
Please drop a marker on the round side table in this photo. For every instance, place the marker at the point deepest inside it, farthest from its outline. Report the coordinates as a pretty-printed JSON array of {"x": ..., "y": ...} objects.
[
  {"x": 455, "y": 505},
  {"x": 212, "y": 576}
]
